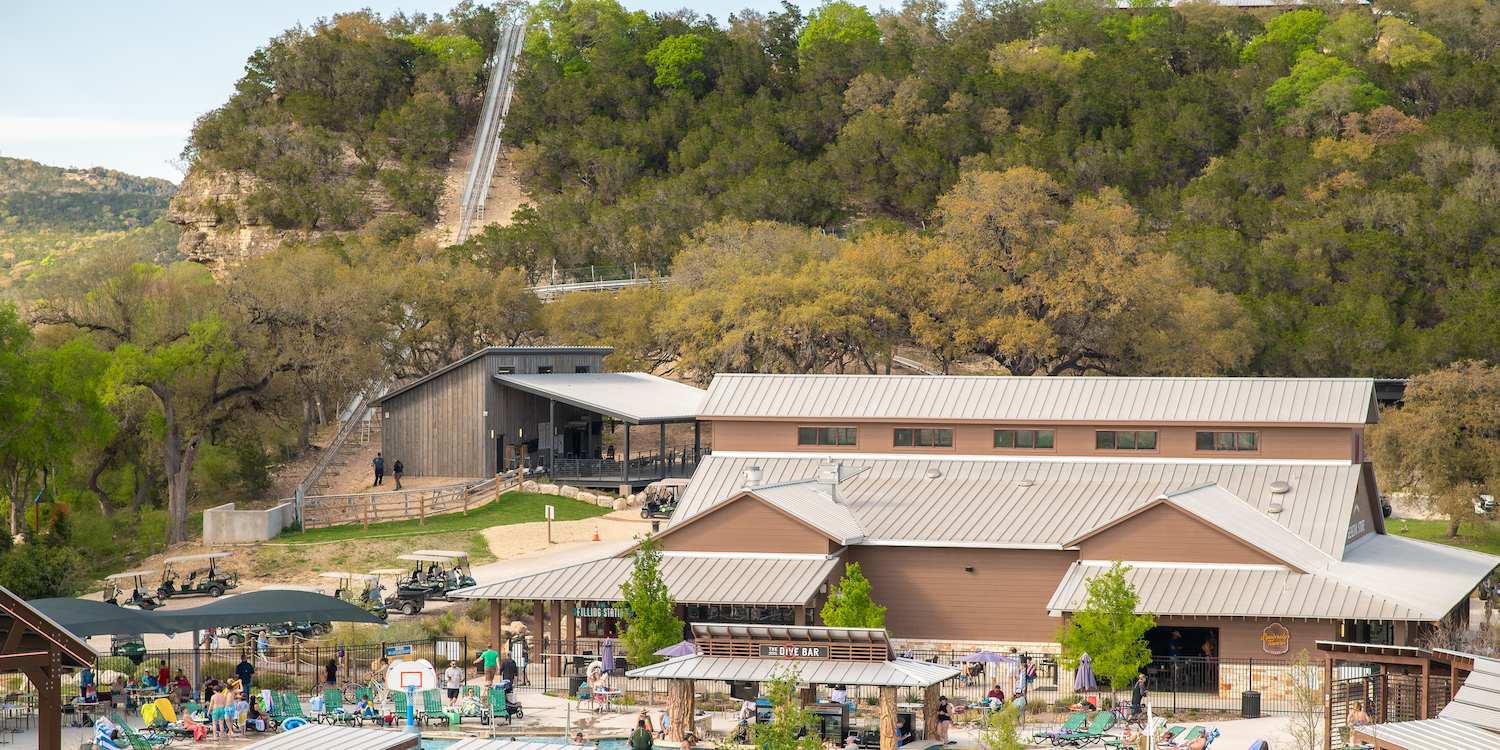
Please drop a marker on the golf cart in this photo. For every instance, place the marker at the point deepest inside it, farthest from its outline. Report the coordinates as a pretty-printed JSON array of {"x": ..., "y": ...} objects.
[
  {"x": 206, "y": 581},
  {"x": 439, "y": 571},
  {"x": 406, "y": 599},
  {"x": 365, "y": 597},
  {"x": 131, "y": 647},
  {"x": 138, "y": 597},
  {"x": 661, "y": 497}
]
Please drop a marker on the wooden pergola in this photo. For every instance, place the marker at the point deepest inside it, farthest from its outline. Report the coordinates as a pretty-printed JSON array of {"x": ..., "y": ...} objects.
[
  {"x": 819, "y": 655},
  {"x": 35, "y": 646}
]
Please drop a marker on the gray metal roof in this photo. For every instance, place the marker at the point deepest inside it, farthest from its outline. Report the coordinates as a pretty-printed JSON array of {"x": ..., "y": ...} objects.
[
  {"x": 811, "y": 503},
  {"x": 634, "y": 397},
  {"x": 1099, "y": 400},
  {"x": 1433, "y": 734},
  {"x": 692, "y": 577},
  {"x": 800, "y": 633},
  {"x": 1382, "y": 578},
  {"x": 1234, "y": 591},
  {"x": 1221, "y": 508},
  {"x": 893, "y": 673},
  {"x": 605, "y": 350},
  {"x": 1019, "y": 502},
  {"x": 324, "y": 737},
  {"x": 480, "y": 743},
  {"x": 1477, "y": 702}
]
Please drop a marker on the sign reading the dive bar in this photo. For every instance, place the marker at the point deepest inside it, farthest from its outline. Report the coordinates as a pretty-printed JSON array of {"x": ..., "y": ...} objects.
[{"x": 792, "y": 651}]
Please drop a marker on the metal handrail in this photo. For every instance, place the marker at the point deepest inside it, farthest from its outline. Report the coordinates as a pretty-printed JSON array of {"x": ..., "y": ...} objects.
[{"x": 361, "y": 406}]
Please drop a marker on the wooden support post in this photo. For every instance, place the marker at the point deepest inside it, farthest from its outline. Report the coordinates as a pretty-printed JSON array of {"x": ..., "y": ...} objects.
[
  {"x": 369, "y": 509},
  {"x": 554, "y": 630},
  {"x": 1328, "y": 701},
  {"x": 1422, "y": 694},
  {"x": 809, "y": 694},
  {"x": 422, "y": 510},
  {"x": 930, "y": 696},
  {"x": 799, "y": 615},
  {"x": 887, "y": 718},
  {"x": 497, "y": 624},
  {"x": 679, "y": 709},
  {"x": 625, "y": 473}
]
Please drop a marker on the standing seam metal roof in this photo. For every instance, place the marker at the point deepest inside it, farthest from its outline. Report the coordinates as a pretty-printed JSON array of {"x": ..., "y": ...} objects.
[
  {"x": 696, "y": 578},
  {"x": 1469, "y": 721},
  {"x": 892, "y": 673},
  {"x": 985, "y": 501},
  {"x": 807, "y": 501},
  {"x": 322, "y": 737},
  {"x": 1042, "y": 399},
  {"x": 635, "y": 397}
]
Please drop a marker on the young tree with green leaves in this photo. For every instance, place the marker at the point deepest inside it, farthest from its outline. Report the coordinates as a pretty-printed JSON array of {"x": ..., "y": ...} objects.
[
  {"x": 1109, "y": 629},
  {"x": 790, "y": 727},
  {"x": 1002, "y": 729},
  {"x": 850, "y": 605},
  {"x": 650, "y": 615}
]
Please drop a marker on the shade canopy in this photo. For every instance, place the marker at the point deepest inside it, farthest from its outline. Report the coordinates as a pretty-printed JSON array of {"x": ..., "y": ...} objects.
[
  {"x": 270, "y": 605},
  {"x": 680, "y": 648},
  {"x": 985, "y": 657},
  {"x": 84, "y": 618}
]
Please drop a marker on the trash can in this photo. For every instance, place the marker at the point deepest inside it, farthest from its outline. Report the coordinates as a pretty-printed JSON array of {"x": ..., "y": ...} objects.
[
  {"x": 575, "y": 681},
  {"x": 1250, "y": 704}
]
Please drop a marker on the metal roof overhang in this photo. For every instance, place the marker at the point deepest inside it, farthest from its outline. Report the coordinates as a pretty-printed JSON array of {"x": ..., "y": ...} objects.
[
  {"x": 321, "y": 737},
  {"x": 892, "y": 673},
  {"x": 633, "y": 397},
  {"x": 1429, "y": 734}
]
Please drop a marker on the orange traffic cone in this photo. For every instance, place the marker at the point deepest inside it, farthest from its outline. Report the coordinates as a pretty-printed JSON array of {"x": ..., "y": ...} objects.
[{"x": 596, "y": 532}]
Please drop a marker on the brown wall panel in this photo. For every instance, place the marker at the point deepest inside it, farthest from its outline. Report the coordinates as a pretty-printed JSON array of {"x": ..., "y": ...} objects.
[
  {"x": 747, "y": 525},
  {"x": 1240, "y": 639},
  {"x": 928, "y": 594},
  {"x": 1072, "y": 440},
  {"x": 1166, "y": 534}
]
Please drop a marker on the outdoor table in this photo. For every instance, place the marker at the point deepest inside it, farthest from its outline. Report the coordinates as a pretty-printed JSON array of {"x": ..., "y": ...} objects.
[
  {"x": 605, "y": 698},
  {"x": 83, "y": 713},
  {"x": 142, "y": 695}
]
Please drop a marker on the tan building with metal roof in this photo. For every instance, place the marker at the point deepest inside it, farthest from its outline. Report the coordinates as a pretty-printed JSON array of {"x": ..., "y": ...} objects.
[{"x": 979, "y": 508}]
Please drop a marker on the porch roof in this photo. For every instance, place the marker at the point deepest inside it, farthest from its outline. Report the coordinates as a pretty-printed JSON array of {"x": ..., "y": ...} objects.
[
  {"x": 633, "y": 397},
  {"x": 891, "y": 673}
]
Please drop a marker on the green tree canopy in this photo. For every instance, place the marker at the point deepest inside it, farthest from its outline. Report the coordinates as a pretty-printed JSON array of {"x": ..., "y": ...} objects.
[
  {"x": 850, "y": 605},
  {"x": 678, "y": 61},
  {"x": 791, "y": 725},
  {"x": 839, "y": 22},
  {"x": 1108, "y": 629},
  {"x": 650, "y": 615}
]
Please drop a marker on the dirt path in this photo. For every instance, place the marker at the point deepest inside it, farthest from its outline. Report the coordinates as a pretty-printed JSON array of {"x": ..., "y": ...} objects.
[{"x": 530, "y": 539}]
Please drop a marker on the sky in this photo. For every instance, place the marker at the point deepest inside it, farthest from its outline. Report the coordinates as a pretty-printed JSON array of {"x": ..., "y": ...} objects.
[{"x": 118, "y": 84}]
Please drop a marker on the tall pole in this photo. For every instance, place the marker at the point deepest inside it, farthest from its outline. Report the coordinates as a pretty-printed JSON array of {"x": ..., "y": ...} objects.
[
  {"x": 552, "y": 435},
  {"x": 625, "y": 477},
  {"x": 661, "y": 452}
]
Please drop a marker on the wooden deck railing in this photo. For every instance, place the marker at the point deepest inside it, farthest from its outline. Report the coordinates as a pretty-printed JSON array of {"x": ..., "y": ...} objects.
[{"x": 365, "y": 508}]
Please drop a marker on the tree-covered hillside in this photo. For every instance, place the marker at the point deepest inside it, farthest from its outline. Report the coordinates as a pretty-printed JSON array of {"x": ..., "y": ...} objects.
[{"x": 1332, "y": 170}]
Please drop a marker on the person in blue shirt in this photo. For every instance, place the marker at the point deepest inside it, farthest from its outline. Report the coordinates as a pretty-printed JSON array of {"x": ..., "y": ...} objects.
[{"x": 85, "y": 681}]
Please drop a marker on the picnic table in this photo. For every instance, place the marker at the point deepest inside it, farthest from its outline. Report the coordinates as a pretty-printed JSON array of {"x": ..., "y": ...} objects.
[
  {"x": 604, "y": 698},
  {"x": 83, "y": 712}
]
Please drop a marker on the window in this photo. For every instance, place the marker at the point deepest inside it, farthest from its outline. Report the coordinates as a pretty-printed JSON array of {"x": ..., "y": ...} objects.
[
  {"x": 1023, "y": 439},
  {"x": 924, "y": 437},
  {"x": 1125, "y": 440},
  {"x": 827, "y": 435},
  {"x": 1228, "y": 441},
  {"x": 544, "y": 369},
  {"x": 504, "y": 370},
  {"x": 580, "y": 368}
]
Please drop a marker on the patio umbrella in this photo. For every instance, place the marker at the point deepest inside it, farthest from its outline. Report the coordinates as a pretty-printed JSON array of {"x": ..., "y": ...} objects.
[
  {"x": 607, "y": 654},
  {"x": 84, "y": 618},
  {"x": 682, "y": 648},
  {"x": 985, "y": 657},
  {"x": 1083, "y": 677}
]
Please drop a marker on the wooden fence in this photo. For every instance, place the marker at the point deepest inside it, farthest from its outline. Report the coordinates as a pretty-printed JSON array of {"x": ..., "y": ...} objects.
[{"x": 366, "y": 508}]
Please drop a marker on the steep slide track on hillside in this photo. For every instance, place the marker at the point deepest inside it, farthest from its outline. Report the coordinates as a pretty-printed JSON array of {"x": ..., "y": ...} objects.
[{"x": 491, "y": 123}]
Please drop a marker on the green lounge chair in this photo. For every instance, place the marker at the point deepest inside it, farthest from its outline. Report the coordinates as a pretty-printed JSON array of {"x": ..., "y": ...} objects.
[
  {"x": 1070, "y": 725},
  {"x": 1189, "y": 736},
  {"x": 138, "y": 741},
  {"x": 495, "y": 708},
  {"x": 333, "y": 708},
  {"x": 432, "y": 711},
  {"x": 291, "y": 706},
  {"x": 398, "y": 698},
  {"x": 1097, "y": 729}
]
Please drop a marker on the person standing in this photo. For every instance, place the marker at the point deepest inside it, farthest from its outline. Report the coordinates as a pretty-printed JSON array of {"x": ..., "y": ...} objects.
[
  {"x": 378, "y": 464},
  {"x": 85, "y": 680},
  {"x": 396, "y": 471},
  {"x": 518, "y": 655},
  {"x": 944, "y": 720},
  {"x": 331, "y": 672},
  {"x": 509, "y": 671},
  {"x": 1138, "y": 695},
  {"x": 453, "y": 681},
  {"x": 488, "y": 660},
  {"x": 245, "y": 670}
]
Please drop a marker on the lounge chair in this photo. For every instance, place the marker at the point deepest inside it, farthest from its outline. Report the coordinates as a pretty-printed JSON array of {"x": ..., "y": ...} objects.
[
  {"x": 495, "y": 707},
  {"x": 1070, "y": 725},
  {"x": 433, "y": 710},
  {"x": 138, "y": 740},
  {"x": 291, "y": 712},
  {"x": 333, "y": 709},
  {"x": 1093, "y": 734}
]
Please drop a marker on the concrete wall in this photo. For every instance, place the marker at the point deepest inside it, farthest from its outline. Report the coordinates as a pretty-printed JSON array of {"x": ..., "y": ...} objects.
[{"x": 225, "y": 525}]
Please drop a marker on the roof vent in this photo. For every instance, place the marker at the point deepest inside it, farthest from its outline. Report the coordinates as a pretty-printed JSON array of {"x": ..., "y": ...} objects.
[
  {"x": 1280, "y": 488},
  {"x": 752, "y": 476},
  {"x": 934, "y": 473},
  {"x": 1024, "y": 482}
]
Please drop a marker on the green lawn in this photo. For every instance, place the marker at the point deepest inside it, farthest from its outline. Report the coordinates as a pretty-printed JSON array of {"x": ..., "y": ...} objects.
[
  {"x": 1480, "y": 537},
  {"x": 513, "y": 507}
]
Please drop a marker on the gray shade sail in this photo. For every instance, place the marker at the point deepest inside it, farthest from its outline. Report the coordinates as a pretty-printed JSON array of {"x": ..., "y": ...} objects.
[
  {"x": 85, "y": 618},
  {"x": 271, "y": 605}
]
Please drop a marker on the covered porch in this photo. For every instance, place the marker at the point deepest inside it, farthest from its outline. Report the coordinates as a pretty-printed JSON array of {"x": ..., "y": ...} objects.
[
  {"x": 818, "y": 655},
  {"x": 605, "y": 429}
]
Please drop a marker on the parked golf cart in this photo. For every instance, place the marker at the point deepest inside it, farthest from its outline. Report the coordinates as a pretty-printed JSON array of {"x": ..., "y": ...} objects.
[
  {"x": 205, "y": 581},
  {"x": 661, "y": 497},
  {"x": 406, "y": 599},
  {"x": 365, "y": 598},
  {"x": 138, "y": 597},
  {"x": 128, "y": 646},
  {"x": 439, "y": 571}
]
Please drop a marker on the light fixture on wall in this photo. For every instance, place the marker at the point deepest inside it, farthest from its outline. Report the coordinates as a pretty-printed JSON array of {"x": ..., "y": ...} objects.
[
  {"x": 823, "y": 587},
  {"x": 968, "y": 568},
  {"x": 387, "y": 415},
  {"x": 486, "y": 412}
]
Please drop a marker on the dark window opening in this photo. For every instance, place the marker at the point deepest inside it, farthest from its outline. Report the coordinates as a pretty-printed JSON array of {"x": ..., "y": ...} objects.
[
  {"x": 1023, "y": 439},
  {"x": 544, "y": 369},
  {"x": 1125, "y": 440},
  {"x": 826, "y": 435},
  {"x": 923, "y": 437},
  {"x": 581, "y": 368}
]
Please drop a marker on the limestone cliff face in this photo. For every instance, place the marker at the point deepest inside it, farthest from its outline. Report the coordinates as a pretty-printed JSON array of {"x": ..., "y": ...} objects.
[{"x": 217, "y": 228}]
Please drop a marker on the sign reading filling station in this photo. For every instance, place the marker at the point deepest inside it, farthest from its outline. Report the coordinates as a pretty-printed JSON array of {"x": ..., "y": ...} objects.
[{"x": 792, "y": 651}]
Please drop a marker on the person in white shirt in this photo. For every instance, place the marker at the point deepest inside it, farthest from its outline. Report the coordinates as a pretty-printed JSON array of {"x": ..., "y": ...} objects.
[
  {"x": 453, "y": 680},
  {"x": 839, "y": 694}
]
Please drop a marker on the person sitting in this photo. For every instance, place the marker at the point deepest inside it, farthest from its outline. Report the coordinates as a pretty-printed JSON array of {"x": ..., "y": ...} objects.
[
  {"x": 995, "y": 698},
  {"x": 254, "y": 719}
]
